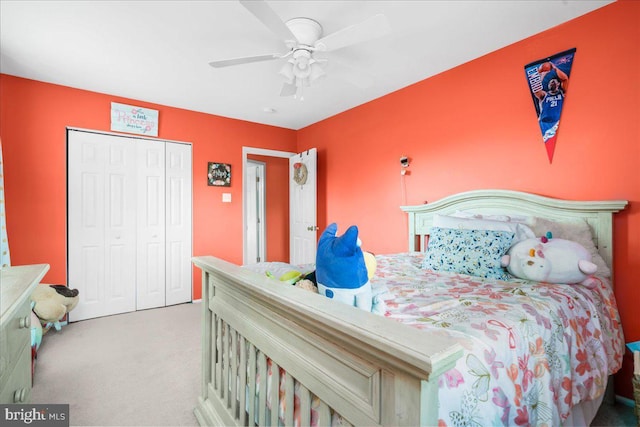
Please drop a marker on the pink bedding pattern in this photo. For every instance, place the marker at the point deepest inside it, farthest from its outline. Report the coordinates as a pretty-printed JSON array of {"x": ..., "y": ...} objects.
[{"x": 531, "y": 350}]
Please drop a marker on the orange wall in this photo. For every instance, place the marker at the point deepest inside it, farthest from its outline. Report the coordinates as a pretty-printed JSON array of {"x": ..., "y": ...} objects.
[
  {"x": 475, "y": 127},
  {"x": 33, "y": 118}
]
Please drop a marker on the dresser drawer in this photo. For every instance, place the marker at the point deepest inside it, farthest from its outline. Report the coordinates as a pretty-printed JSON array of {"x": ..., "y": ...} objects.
[
  {"x": 15, "y": 336},
  {"x": 17, "y": 387}
]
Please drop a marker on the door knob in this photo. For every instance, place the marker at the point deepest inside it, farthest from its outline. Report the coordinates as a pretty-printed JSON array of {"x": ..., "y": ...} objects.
[
  {"x": 312, "y": 228},
  {"x": 25, "y": 322},
  {"x": 19, "y": 395}
]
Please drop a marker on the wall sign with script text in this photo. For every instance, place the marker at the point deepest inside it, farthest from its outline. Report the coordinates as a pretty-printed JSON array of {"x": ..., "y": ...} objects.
[
  {"x": 130, "y": 119},
  {"x": 219, "y": 174}
]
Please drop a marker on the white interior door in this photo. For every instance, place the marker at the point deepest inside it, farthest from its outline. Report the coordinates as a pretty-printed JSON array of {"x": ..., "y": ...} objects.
[
  {"x": 255, "y": 212},
  {"x": 150, "y": 255},
  {"x": 302, "y": 206},
  {"x": 101, "y": 223},
  {"x": 178, "y": 223}
]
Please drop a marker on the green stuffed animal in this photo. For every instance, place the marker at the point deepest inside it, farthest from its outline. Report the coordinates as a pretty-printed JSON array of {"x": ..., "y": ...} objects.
[{"x": 295, "y": 278}]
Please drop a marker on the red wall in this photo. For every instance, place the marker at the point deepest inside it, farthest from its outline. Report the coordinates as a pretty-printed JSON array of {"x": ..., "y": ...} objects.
[
  {"x": 33, "y": 119},
  {"x": 468, "y": 128},
  {"x": 475, "y": 127}
]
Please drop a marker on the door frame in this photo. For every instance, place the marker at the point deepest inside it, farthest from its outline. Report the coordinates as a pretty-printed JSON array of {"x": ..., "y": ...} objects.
[{"x": 259, "y": 152}]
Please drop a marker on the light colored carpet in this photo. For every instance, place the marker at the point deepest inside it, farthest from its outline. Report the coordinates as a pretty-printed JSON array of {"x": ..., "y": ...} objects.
[
  {"x": 143, "y": 369},
  {"x": 134, "y": 369}
]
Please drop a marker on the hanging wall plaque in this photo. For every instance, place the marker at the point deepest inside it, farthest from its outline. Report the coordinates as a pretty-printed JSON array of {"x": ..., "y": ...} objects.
[
  {"x": 219, "y": 174},
  {"x": 548, "y": 81},
  {"x": 127, "y": 118}
]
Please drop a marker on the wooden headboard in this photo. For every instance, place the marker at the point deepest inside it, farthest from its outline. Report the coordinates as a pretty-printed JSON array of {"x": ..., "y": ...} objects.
[{"x": 598, "y": 214}]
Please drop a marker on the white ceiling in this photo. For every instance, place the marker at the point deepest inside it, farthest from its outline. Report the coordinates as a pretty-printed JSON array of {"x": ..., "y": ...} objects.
[{"x": 158, "y": 51}]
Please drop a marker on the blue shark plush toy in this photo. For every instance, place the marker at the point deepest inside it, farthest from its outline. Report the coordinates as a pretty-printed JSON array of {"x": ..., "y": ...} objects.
[{"x": 341, "y": 272}]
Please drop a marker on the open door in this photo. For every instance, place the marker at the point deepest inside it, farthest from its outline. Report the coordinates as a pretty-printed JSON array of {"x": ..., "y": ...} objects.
[{"x": 303, "y": 169}]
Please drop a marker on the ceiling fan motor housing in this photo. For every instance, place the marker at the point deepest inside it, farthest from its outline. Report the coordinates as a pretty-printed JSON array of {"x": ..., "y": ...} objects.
[{"x": 306, "y": 30}]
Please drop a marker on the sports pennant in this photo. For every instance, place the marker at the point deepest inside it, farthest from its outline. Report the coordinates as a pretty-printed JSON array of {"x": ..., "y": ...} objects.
[{"x": 548, "y": 81}]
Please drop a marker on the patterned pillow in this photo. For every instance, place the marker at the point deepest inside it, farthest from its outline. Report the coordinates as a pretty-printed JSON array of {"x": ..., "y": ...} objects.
[
  {"x": 473, "y": 252},
  {"x": 521, "y": 231}
]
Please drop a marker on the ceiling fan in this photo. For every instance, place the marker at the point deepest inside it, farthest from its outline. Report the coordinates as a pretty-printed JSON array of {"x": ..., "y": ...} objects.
[{"x": 303, "y": 38}]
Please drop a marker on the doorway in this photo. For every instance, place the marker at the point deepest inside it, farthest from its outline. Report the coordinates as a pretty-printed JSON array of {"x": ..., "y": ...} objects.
[
  {"x": 251, "y": 234},
  {"x": 291, "y": 231}
]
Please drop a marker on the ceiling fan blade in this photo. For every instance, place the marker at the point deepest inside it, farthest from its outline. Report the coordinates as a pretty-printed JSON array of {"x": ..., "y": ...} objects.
[
  {"x": 288, "y": 89},
  {"x": 261, "y": 10},
  {"x": 244, "y": 60},
  {"x": 374, "y": 27}
]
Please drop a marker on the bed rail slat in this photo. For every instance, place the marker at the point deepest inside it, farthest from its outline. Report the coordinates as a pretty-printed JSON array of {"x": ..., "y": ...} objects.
[
  {"x": 289, "y": 400},
  {"x": 235, "y": 359},
  {"x": 262, "y": 389},
  {"x": 224, "y": 387},
  {"x": 324, "y": 415},
  {"x": 218, "y": 354},
  {"x": 242, "y": 383},
  {"x": 274, "y": 399},
  {"x": 251, "y": 398},
  {"x": 305, "y": 406}
]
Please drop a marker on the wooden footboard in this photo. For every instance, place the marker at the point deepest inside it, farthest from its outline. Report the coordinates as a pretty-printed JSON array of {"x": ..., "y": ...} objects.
[{"x": 342, "y": 361}]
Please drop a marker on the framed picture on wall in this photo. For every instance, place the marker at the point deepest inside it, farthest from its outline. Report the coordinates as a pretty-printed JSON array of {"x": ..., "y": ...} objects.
[{"x": 219, "y": 174}]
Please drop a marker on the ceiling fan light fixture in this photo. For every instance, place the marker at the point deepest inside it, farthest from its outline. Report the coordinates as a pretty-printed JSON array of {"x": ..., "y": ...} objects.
[
  {"x": 316, "y": 71},
  {"x": 302, "y": 63},
  {"x": 287, "y": 72}
]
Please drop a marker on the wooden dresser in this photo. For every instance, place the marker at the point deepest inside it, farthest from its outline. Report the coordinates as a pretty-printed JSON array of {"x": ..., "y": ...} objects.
[{"x": 16, "y": 285}]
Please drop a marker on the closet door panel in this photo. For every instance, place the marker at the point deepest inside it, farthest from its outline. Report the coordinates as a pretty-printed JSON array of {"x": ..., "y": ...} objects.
[
  {"x": 86, "y": 224},
  {"x": 151, "y": 257},
  {"x": 121, "y": 225},
  {"x": 101, "y": 224},
  {"x": 178, "y": 223}
]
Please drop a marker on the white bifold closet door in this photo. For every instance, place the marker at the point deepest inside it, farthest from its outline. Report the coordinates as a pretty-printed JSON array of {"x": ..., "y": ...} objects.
[{"x": 129, "y": 223}]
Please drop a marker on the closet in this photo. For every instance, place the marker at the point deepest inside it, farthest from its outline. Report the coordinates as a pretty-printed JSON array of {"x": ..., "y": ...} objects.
[{"x": 128, "y": 222}]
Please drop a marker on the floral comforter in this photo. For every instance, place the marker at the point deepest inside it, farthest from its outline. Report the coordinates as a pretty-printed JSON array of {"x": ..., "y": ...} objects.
[{"x": 531, "y": 350}]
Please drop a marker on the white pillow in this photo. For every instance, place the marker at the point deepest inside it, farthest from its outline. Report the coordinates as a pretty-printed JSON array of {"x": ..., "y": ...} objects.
[
  {"x": 577, "y": 231},
  {"x": 494, "y": 217},
  {"x": 520, "y": 231}
]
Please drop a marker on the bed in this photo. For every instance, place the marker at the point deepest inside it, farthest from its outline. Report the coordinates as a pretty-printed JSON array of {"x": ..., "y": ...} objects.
[{"x": 274, "y": 354}]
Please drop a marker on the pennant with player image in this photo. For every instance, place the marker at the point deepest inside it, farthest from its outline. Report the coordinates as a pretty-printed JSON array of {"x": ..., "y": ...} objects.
[{"x": 548, "y": 81}]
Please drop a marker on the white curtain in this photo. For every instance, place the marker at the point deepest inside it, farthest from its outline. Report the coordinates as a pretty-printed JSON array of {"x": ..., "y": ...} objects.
[{"x": 5, "y": 260}]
